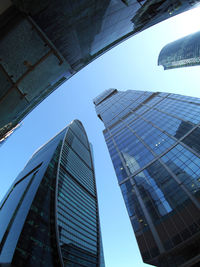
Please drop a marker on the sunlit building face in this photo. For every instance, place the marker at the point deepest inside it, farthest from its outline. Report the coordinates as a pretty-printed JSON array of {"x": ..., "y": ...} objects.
[{"x": 154, "y": 143}]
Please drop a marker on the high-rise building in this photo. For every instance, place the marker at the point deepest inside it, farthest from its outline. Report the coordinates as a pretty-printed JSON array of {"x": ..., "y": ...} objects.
[
  {"x": 184, "y": 52},
  {"x": 154, "y": 143},
  {"x": 43, "y": 43},
  {"x": 50, "y": 217}
]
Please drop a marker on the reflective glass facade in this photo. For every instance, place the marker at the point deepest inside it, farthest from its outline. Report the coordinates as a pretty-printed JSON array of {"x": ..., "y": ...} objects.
[
  {"x": 43, "y": 43},
  {"x": 184, "y": 52},
  {"x": 154, "y": 142},
  {"x": 50, "y": 216}
]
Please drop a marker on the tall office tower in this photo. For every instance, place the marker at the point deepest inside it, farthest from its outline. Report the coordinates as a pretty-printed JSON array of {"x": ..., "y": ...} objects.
[
  {"x": 154, "y": 143},
  {"x": 184, "y": 52},
  {"x": 50, "y": 217},
  {"x": 43, "y": 43}
]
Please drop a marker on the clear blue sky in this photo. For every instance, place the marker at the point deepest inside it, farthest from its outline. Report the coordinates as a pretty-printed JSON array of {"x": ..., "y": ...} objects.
[{"x": 131, "y": 65}]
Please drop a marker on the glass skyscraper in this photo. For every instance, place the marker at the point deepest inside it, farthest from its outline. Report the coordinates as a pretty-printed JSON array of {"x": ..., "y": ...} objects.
[
  {"x": 43, "y": 43},
  {"x": 50, "y": 217},
  {"x": 184, "y": 52},
  {"x": 154, "y": 142}
]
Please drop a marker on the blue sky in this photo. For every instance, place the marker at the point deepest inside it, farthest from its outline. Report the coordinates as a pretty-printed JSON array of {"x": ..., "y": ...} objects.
[{"x": 131, "y": 65}]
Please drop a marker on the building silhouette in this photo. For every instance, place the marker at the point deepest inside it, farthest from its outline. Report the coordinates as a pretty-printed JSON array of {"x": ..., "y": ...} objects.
[
  {"x": 50, "y": 217},
  {"x": 44, "y": 43},
  {"x": 153, "y": 141},
  {"x": 184, "y": 52}
]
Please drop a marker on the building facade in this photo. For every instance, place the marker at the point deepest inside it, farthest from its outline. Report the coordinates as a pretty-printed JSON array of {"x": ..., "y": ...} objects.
[
  {"x": 154, "y": 143},
  {"x": 44, "y": 43},
  {"x": 50, "y": 217},
  {"x": 184, "y": 52}
]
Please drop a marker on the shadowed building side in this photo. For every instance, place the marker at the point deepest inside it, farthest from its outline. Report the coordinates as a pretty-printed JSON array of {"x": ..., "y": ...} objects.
[
  {"x": 44, "y": 43},
  {"x": 184, "y": 52},
  {"x": 155, "y": 11},
  {"x": 49, "y": 217}
]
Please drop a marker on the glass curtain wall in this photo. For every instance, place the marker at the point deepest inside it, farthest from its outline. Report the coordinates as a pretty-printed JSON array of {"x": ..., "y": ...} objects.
[{"x": 153, "y": 141}]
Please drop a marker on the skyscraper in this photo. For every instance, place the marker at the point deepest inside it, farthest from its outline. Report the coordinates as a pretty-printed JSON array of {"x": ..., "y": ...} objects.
[
  {"x": 184, "y": 52},
  {"x": 50, "y": 217},
  {"x": 154, "y": 143},
  {"x": 44, "y": 43}
]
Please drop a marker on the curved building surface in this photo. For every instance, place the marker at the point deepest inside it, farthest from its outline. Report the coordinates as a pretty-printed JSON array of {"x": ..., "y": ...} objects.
[
  {"x": 49, "y": 217},
  {"x": 44, "y": 43},
  {"x": 154, "y": 143},
  {"x": 184, "y": 52}
]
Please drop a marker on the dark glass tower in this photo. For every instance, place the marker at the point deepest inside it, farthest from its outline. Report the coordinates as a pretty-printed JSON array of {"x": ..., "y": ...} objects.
[
  {"x": 184, "y": 52},
  {"x": 43, "y": 43},
  {"x": 154, "y": 143},
  {"x": 49, "y": 217}
]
